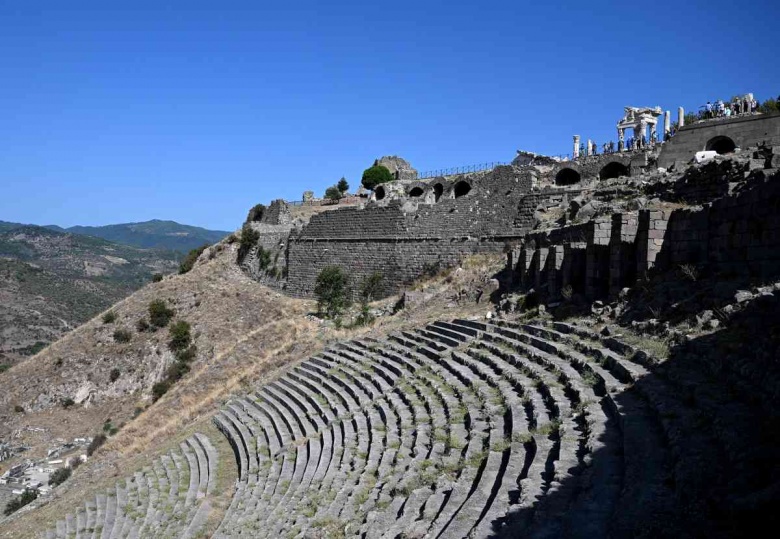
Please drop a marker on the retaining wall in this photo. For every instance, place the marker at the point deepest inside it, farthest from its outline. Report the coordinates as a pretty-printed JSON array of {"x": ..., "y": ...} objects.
[{"x": 745, "y": 132}]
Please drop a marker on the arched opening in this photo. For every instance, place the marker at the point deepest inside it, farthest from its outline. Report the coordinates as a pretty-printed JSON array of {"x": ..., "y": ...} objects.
[
  {"x": 613, "y": 170},
  {"x": 722, "y": 145},
  {"x": 379, "y": 192},
  {"x": 438, "y": 191},
  {"x": 567, "y": 176},
  {"x": 462, "y": 188},
  {"x": 416, "y": 192}
]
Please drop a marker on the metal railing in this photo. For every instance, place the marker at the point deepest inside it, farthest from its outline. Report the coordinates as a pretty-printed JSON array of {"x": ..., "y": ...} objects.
[{"x": 459, "y": 170}]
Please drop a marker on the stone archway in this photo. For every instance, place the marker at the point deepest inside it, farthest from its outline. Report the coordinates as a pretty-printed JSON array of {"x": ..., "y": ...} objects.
[
  {"x": 462, "y": 188},
  {"x": 438, "y": 191},
  {"x": 567, "y": 176},
  {"x": 416, "y": 192},
  {"x": 613, "y": 169},
  {"x": 720, "y": 144},
  {"x": 379, "y": 192}
]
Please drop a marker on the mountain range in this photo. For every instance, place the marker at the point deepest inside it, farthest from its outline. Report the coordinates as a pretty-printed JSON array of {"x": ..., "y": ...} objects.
[
  {"x": 154, "y": 234},
  {"x": 53, "y": 279}
]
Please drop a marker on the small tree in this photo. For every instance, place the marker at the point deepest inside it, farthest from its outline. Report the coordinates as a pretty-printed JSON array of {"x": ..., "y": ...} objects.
[
  {"x": 159, "y": 313},
  {"x": 371, "y": 287},
  {"x": 369, "y": 291},
  {"x": 770, "y": 106},
  {"x": 256, "y": 213},
  {"x": 180, "y": 336},
  {"x": 59, "y": 476},
  {"x": 331, "y": 291},
  {"x": 109, "y": 317},
  {"x": 376, "y": 175},
  {"x": 17, "y": 503},
  {"x": 114, "y": 376},
  {"x": 333, "y": 193},
  {"x": 189, "y": 260},
  {"x": 157, "y": 277},
  {"x": 343, "y": 185},
  {"x": 249, "y": 237}
]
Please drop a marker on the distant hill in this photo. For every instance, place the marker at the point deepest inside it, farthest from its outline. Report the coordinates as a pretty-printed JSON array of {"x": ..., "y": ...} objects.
[
  {"x": 52, "y": 281},
  {"x": 155, "y": 234}
]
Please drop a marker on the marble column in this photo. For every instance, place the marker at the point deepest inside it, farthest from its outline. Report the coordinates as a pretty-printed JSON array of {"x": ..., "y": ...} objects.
[
  {"x": 680, "y": 117},
  {"x": 589, "y": 148},
  {"x": 667, "y": 123},
  {"x": 576, "y": 153}
]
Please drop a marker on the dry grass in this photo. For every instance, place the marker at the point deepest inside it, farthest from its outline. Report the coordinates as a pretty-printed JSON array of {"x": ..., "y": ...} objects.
[{"x": 245, "y": 333}]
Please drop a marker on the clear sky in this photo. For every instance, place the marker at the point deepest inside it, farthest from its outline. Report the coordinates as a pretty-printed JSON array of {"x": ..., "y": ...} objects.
[{"x": 195, "y": 111}]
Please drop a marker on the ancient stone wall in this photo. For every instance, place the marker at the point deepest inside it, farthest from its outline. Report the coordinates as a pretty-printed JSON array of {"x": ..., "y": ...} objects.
[
  {"x": 405, "y": 239},
  {"x": 744, "y": 132},
  {"x": 737, "y": 235}
]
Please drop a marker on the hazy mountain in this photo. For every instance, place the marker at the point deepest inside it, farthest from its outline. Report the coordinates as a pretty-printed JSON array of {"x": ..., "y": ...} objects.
[
  {"x": 155, "y": 234},
  {"x": 51, "y": 281}
]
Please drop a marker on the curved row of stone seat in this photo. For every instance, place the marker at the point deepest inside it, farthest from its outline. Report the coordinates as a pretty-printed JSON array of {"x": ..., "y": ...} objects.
[
  {"x": 468, "y": 429},
  {"x": 704, "y": 437},
  {"x": 355, "y": 438},
  {"x": 166, "y": 499}
]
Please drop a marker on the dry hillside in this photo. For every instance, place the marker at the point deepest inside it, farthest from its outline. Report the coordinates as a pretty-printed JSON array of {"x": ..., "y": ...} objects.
[{"x": 243, "y": 332}]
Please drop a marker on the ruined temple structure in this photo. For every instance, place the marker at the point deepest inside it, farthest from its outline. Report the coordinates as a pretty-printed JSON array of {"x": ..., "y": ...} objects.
[
  {"x": 409, "y": 227},
  {"x": 639, "y": 119}
]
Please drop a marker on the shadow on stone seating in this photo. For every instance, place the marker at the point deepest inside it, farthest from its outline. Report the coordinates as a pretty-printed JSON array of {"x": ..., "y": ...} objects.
[{"x": 707, "y": 464}]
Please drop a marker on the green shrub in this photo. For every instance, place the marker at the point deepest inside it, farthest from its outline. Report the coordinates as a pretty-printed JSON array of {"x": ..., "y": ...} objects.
[
  {"x": 331, "y": 291},
  {"x": 770, "y": 106},
  {"x": 142, "y": 325},
  {"x": 114, "y": 376},
  {"x": 376, "y": 175},
  {"x": 17, "y": 503},
  {"x": 332, "y": 193},
  {"x": 249, "y": 237},
  {"x": 189, "y": 260},
  {"x": 59, "y": 476},
  {"x": 122, "y": 336},
  {"x": 369, "y": 291},
  {"x": 109, "y": 317},
  {"x": 263, "y": 258},
  {"x": 19, "y": 409},
  {"x": 159, "y": 389},
  {"x": 68, "y": 402},
  {"x": 371, "y": 287},
  {"x": 180, "y": 336},
  {"x": 4, "y": 367},
  {"x": 96, "y": 442},
  {"x": 157, "y": 277},
  {"x": 256, "y": 213},
  {"x": 188, "y": 354},
  {"x": 176, "y": 372},
  {"x": 342, "y": 186},
  {"x": 159, "y": 313}
]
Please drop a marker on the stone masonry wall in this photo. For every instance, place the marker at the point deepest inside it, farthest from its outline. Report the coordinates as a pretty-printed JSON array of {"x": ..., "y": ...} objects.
[
  {"x": 405, "y": 239},
  {"x": 745, "y": 132},
  {"x": 738, "y": 235}
]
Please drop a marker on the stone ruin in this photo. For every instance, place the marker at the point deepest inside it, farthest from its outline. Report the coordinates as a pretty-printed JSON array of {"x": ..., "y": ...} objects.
[
  {"x": 513, "y": 427},
  {"x": 409, "y": 225},
  {"x": 398, "y": 167}
]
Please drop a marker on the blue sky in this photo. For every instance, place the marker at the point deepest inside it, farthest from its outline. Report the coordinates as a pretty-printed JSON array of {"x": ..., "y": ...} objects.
[{"x": 195, "y": 111}]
